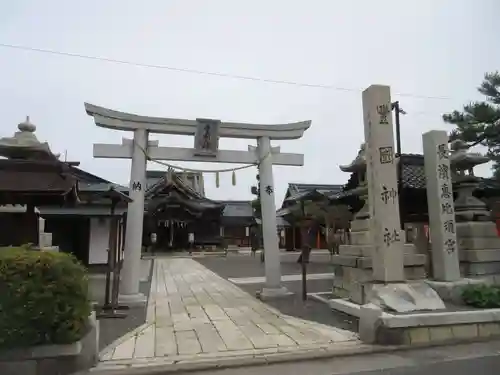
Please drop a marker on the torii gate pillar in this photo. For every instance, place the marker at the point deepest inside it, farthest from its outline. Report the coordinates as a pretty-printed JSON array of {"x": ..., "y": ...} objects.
[
  {"x": 207, "y": 133},
  {"x": 129, "y": 293},
  {"x": 273, "y": 287}
]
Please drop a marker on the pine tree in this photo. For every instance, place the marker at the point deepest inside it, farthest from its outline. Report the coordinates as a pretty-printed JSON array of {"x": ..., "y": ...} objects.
[
  {"x": 257, "y": 214},
  {"x": 479, "y": 122},
  {"x": 256, "y": 202}
]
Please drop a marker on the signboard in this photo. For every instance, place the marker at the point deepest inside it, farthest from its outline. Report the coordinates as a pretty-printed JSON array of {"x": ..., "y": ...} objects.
[{"x": 206, "y": 139}]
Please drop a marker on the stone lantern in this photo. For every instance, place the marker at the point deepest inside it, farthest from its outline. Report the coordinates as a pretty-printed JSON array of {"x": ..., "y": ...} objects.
[
  {"x": 478, "y": 241},
  {"x": 467, "y": 206},
  {"x": 358, "y": 165},
  {"x": 25, "y": 145}
]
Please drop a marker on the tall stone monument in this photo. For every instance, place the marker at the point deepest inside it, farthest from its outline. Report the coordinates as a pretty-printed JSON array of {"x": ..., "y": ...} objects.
[
  {"x": 445, "y": 263},
  {"x": 377, "y": 254},
  {"x": 385, "y": 225}
]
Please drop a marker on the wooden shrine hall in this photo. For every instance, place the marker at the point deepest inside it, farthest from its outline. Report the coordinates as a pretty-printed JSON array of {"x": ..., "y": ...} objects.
[{"x": 176, "y": 206}]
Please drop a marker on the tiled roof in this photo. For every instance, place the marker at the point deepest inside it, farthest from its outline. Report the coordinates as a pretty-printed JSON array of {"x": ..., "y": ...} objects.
[
  {"x": 89, "y": 182},
  {"x": 176, "y": 181},
  {"x": 295, "y": 188},
  {"x": 280, "y": 222},
  {"x": 414, "y": 176},
  {"x": 413, "y": 171},
  {"x": 237, "y": 208},
  {"x": 296, "y": 191},
  {"x": 99, "y": 187}
]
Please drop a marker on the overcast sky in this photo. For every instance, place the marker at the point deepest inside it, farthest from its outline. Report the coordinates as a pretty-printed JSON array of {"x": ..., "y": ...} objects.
[{"x": 424, "y": 48}]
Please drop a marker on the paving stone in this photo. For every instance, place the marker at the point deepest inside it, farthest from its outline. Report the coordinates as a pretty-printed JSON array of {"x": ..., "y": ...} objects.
[
  {"x": 165, "y": 343},
  {"x": 259, "y": 339},
  {"x": 125, "y": 350},
  {"x": 196, "y": 314},
  {"x": 180, "y": 317},
  {"x": 210, "y": 339},
  {"x": 106, "y": 356},
  {"x": 214, "y": 312},
  {"x": 232, "y": 336},
  {"x": 268, "y": 328},
  {"x": 187, "y": 342},
  {"x": 145, "y": 343},
  {"x": 296, "y": 335},
  {"x": 283, "y": 340}
]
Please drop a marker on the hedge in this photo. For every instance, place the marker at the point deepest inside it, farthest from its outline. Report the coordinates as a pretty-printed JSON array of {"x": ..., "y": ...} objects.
[
  {"x": 482, "y": 296},
  {"x": 43, "y": 298}
]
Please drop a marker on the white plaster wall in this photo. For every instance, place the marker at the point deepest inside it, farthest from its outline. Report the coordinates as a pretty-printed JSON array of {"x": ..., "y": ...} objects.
[{"x": 99, "y": 240}]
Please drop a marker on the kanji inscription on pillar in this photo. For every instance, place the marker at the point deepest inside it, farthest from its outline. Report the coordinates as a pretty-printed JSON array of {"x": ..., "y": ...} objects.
[
  {"x": 387, "y": 259},
  {"x": 440, "y": 203},
  {"x": 136, "y": 186}
]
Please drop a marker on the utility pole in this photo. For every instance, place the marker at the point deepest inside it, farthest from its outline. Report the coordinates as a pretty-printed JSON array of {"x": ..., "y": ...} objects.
[{"x": 398, "y": 110}]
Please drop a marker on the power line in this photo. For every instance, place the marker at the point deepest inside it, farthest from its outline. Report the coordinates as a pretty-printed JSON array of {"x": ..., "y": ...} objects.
[{"x": 208, "y": 73}]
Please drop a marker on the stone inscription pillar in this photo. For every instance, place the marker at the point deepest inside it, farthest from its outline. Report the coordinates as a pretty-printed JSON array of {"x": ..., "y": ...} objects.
[
  {"x": 385, "y": 228},
  {"x": 445, "y": 262},
  {"x": 130, "y": 275}
]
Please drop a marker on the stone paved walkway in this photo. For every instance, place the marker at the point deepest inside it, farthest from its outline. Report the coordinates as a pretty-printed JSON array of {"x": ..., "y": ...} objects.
[{"x": 193, "y": 314}]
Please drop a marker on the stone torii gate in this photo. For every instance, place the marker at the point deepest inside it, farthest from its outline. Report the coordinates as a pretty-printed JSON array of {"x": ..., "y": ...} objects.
[{"x": 207, "y": 133}]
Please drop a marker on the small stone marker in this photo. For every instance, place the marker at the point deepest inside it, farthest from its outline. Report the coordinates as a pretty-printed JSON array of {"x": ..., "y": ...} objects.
[
  {"x": 385, "y": 227},
  {"x": 445, "y": 262}
]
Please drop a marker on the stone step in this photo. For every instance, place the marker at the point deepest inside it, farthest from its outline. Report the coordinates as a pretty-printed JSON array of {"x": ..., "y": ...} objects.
[
  {"x": 366, "y": 262},
  {"x": 477, "y": 256},
  {"x": 367, "y": 250},
  {"x": 360, "y": 225},
  {"x": 477, "y": 229},
  {"x": 477, "y": 243}
]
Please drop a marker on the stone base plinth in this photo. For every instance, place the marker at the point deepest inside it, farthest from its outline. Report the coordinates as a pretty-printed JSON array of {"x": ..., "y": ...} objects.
[
  {"x": 54, "y": 359},
  {"x": 479, "y": 248},
  {"x": 138, "y": 299},
  {"x": 271, "y": 293},
  {"x": 423, "y": 329},
  {"x": 354, "y": 275}
]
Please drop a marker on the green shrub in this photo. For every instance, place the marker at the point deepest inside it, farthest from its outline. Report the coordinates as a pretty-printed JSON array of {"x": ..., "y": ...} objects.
[
  {"x": 43, "y": 298},
  {"x": 484, "y": 296}
]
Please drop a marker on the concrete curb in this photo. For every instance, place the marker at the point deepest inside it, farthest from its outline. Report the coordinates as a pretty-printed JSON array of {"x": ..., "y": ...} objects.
[
  {"x": 166, "y": 366},
  {"x": 340, "y": 304}
]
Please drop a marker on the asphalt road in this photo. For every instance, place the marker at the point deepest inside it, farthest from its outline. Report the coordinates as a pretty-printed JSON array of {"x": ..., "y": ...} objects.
[
  {"x": 241, "y": 266},
  {"x": 466, "y": 359}
]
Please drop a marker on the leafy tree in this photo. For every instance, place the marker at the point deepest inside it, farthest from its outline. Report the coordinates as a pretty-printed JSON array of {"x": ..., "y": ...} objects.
[
  {"x": 257, "y": 214},
  {"x": 479, "y": 122},
  {"x": 256, "y": 202}
]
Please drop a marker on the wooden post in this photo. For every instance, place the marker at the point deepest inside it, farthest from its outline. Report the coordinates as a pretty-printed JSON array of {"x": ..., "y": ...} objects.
[
  {"x": 111, "y": 294},
  {"x": 304, "y": 259}
]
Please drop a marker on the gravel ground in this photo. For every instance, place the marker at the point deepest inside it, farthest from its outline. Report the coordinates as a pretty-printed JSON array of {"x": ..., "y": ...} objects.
[
  {"x": 113, "y": 328},
  {"x": 239, "y": 266}
]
